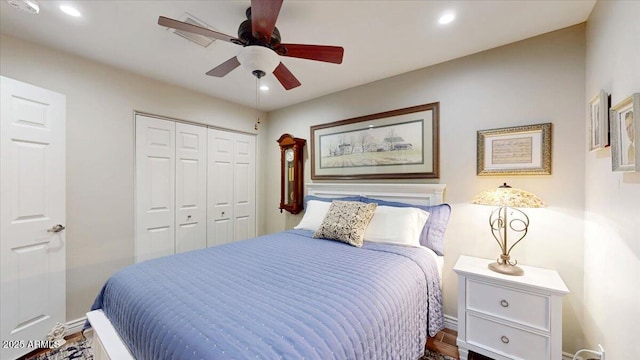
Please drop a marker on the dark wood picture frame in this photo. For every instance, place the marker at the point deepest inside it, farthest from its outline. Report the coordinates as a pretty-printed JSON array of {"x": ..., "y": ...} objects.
[{"x": 396, "y": 144}]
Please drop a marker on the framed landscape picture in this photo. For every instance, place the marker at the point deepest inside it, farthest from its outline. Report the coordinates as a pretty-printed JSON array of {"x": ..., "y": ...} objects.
[
  {"x": 518, "y": 150},
  {"x": 395, "y": 144},
  {"x": 625, "y": 128}
]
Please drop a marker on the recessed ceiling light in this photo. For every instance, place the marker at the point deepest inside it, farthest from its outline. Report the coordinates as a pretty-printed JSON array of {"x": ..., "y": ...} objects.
[
  {"x": 446, "y": 18},
  {"x": 70, "y": 10},
  {"x": 264, "y": 87}
]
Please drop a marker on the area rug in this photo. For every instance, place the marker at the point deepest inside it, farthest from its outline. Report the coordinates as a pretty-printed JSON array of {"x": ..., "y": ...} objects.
[
  {"x": 80, "y": 349},
  {"x": 432, "y": 355},
  {"x": 77, "y": 348}
]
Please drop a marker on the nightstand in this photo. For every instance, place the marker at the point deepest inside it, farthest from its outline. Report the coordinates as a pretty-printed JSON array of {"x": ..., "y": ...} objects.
[{"x": 509, "y": 317}]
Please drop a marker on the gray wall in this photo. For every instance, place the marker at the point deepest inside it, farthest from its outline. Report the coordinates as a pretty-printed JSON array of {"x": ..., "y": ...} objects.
[
  {"x": 100, "y": 153},
  {"x": 612, "y": 200},
  {"x": 529, "y": 82}
]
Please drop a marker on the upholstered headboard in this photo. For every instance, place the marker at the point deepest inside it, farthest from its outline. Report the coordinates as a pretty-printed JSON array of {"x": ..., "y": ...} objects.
[{"x": 417, "y": 194}]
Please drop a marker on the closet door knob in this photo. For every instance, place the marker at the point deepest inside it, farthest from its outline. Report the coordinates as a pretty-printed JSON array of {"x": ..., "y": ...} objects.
[
  {"x": 504, "y": 303},
  {"x": 505, "y": 339}
]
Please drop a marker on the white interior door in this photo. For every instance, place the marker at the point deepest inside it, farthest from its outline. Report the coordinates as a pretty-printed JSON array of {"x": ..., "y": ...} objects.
[
  {"x": 32, "y": 184},
  {"x": 244, "y": 202},
  {"x": 191, "y": 187},
  {"x": 155, "y": 187},
  {"x": 220, "y": 188}
]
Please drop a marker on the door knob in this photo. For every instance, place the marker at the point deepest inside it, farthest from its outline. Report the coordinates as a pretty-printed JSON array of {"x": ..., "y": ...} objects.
[{"x": 56, "y": 228}]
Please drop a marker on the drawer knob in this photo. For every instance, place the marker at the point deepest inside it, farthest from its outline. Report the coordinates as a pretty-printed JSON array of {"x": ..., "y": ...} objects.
[
  {"x": 505, "y": 339},
  {"x": 504, "y": 303}
]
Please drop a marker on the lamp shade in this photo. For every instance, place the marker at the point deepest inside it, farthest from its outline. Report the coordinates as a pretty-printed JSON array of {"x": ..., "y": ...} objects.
[{"x": 505, "y": 195}]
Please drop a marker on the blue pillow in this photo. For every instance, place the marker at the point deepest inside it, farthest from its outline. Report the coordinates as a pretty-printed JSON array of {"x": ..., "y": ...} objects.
[
  {"x": 432, "y": 235},
  {"x": 328, "y": 199}
]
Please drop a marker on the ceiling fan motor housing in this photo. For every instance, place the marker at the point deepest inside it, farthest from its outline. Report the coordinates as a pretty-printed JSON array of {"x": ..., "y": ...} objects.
[{"x": 245, "y": 33}]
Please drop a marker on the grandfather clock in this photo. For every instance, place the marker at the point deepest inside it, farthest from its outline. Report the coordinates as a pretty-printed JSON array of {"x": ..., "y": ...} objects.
[{"x": 291, "y": 173}]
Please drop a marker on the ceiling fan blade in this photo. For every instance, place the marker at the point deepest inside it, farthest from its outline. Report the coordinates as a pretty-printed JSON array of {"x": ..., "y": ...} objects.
[
  {"x": 332, "y": 54},
  {"x": 224, "y": 68},
  {"x": 180, "y": 25},
  {"x": 264, "y": 14},
  {"x": 285, "y": 77}
]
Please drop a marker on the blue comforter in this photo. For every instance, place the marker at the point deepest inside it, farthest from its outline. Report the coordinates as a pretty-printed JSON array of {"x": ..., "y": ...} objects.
[{"x": 280, "y": 296}]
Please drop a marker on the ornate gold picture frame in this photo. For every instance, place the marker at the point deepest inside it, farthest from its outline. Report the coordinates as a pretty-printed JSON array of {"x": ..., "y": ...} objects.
[
  {"x": 518, "y": 150},
  {"x": 625, "y": 152},
  {"x": 598, "y": 121}
]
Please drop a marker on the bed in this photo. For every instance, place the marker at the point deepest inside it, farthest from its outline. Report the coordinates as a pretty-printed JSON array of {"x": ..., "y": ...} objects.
[{"x": 280, "y": 296}]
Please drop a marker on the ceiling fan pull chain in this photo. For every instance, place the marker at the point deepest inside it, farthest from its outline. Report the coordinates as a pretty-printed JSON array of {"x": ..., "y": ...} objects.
[{"x": 257, "y": 103}]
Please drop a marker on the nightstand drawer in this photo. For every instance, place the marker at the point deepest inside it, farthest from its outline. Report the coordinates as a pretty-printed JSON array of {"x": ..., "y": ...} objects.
[
  {"x": 511, "y": 304},
  {"x": 506, "y": 340}
]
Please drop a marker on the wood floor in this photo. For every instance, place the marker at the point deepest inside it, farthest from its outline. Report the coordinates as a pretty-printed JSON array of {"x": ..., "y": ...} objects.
[{"x": 445, "y": 343}]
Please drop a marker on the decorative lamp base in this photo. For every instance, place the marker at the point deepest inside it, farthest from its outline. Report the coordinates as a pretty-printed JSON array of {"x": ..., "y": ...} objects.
[{"x": 506, "y": 269}]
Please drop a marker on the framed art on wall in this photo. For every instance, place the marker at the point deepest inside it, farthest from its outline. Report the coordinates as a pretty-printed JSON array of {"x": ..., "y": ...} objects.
[
  {"x": 598, "y": 125},
  {"x": 518, "y": 150},
  {"x": 397, "y": 144},
  {"x": 625, "y": 127}
]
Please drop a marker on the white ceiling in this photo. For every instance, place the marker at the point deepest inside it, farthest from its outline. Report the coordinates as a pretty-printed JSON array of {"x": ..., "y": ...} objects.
[{"x": 380, "y": 38}]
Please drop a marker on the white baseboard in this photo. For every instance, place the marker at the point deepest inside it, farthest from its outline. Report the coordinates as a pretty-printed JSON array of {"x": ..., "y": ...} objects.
[
  {"x": 76, "y": 325},
  {"x": 451, "y": 322}
]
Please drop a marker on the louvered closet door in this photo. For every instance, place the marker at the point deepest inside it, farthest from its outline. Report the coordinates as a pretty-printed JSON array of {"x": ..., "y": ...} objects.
[
  {"x": 244, "y": 204},
  {"x": 220, "y": 187},
  {"x": 155, "y": 187},
  {"x": 191, "y": 187}
]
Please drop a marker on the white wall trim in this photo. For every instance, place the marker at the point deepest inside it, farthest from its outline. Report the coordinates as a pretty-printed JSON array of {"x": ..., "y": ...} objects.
[
  {"x": 451, "y": 322},
  {"x": 76, "y": 325}
]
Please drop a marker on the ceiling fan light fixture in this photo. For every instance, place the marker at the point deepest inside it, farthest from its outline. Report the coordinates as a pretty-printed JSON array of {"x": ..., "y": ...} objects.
[{"x": 259, "y": 60}]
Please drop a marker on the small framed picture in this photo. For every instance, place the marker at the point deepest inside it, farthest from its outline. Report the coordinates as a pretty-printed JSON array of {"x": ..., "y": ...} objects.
[
  {"x": 625, "y": 129},
  {"x": 518, "y": 150},
  {"x": 598, "y": 121}
]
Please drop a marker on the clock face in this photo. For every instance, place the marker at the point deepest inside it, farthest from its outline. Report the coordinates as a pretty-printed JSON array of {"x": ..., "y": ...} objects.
[{"x": 288, "y": 155}]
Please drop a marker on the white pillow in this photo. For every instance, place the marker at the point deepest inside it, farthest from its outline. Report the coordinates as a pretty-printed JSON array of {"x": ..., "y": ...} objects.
[
  {"x": 313, "y": 215},
  {"x": 396, "y": 225}
]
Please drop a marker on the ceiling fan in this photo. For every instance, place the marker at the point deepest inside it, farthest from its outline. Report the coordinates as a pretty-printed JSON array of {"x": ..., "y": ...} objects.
[{"x": 261, "y": 44}]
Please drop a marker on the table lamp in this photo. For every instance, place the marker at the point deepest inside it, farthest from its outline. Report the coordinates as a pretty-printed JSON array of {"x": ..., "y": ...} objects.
[{"x": 507, "y": 217}]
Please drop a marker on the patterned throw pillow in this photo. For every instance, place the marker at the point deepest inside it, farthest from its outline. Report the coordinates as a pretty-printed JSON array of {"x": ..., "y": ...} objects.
[{"x": 346, "y": 221}]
